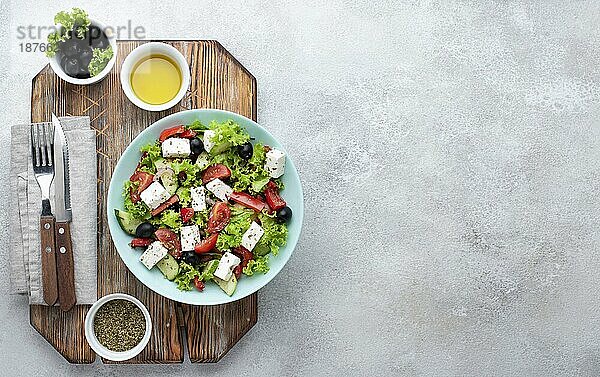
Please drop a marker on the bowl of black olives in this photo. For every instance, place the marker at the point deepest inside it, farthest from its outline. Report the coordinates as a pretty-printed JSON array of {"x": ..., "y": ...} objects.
[{"x": 83, "y": 52}]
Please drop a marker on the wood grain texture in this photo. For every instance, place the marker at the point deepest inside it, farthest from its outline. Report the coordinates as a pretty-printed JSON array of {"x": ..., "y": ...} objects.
[
  {"x": 219, "y": 81},
  {"x": 49, "y": 278},
  {"x": 64, "y": 266}
]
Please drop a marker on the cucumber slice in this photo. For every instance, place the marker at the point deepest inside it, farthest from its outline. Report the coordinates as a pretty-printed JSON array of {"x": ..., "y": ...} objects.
[
  {"x": 127, "y": 222},
  {"x": 202, "y": 161},
  {"x": 169, "y": 180},
  {"x": 209, "y": 269},
  {"x": 261, "y": 249},
  {"x": 161, "y": 164},
  {"x": 227, "y": 285},
  {"x": 168, "y": 266}
]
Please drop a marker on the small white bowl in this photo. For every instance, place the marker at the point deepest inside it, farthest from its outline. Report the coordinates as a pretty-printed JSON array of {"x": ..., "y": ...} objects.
[
  {"x": 143, "y": 51},
  {"x": 55, "y": 64},
  {"x": 104, "y": 352}
]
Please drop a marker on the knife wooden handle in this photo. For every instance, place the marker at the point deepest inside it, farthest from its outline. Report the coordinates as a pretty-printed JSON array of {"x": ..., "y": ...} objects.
[
  {"x": 64, "y": 262},
  {"x": 48, "y": 252}
]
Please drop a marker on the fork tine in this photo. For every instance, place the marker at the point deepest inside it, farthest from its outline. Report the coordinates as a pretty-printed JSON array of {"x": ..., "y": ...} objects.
[
  {"x": 33, "y": 154},
  {"x": 43, "y": 145},
  {"x": 50, "y": 143},
  {"x": 38, "y": 152}
]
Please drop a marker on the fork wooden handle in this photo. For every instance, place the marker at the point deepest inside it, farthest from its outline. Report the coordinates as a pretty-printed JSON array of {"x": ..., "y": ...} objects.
[
  {"x": 48, "y": 251},
  {"x": 64, "y": 262}
]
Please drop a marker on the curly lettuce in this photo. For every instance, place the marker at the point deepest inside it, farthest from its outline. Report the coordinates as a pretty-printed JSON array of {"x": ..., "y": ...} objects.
[
  {"x": 100, "y": 58},
  {"x": 191, "y": 172},
  {"x": 239, "y": 222},
  {"x": 168, "y": 218},
  {"x": 245, "y": 175},
  {"x": 227, "y": 134},
  {"x": 138, "y": 210},
  {"x": 275, "y": 233},
  {"x": 185, "y": 278},
  {"x": 259, "y": 264},
  {"x": 152, "y": 153}
]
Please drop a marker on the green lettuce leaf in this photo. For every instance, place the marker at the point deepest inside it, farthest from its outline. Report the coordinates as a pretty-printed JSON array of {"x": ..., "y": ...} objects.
[
  {"x": 185, "y": 278},
  {"x": 100, "y": 58},
  {"x": 168, "y": 218},
  {"x": 139, "y": 210},
  {"x": 258, "y": 264},
  {"x": 191, "y": 171},
  {"x": 153, "y": 154},
  {"x": 227, "y": 134},
  {"x": 275, "y": 233},
  {"x": 239, "y": 222}
]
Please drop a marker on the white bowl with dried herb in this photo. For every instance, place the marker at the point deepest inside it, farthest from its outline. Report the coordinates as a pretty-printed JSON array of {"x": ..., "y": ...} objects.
[{"x": 118, "y": 327}]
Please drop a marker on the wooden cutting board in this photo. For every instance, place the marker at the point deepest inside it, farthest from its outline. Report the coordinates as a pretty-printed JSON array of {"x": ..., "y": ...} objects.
[{"x": 218, "y": 81}]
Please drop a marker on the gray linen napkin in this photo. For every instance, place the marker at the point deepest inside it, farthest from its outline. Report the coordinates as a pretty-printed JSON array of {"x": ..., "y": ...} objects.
[{"x": 25, "y": 259}]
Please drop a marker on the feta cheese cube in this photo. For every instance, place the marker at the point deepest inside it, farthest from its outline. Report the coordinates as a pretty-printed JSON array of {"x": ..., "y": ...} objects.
[
  {"x": 275, "y": 163},
  {"x": 220, "y": 189},
  {"x": 198, "y": 198},
  {"x": 155, "y": 195},
  {"x": 153, "y": 254},
  {"x": 207, "y": 140},
  {"x": 226, "y": 265},
  {"x": 190, "y": 237},
  {"x": 252, "y": 236},
  {"x": 176, "y": 147}
]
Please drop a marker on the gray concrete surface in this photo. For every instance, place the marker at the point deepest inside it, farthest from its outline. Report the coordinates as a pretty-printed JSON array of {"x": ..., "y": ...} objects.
[{"x": 449, "y": 155}]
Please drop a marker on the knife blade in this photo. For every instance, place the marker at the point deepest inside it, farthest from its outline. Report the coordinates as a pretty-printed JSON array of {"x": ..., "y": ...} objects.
[
  {"x": 63, "y": 214},
  {"x": 62, "y": 194}
]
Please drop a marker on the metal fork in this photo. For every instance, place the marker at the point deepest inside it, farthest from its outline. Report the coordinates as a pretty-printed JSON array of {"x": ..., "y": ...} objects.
[{"x": 42, "y": 158}]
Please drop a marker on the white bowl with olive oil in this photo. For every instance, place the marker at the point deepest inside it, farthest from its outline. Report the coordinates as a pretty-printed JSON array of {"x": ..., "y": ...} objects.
[{"x": 155, "y": 76}]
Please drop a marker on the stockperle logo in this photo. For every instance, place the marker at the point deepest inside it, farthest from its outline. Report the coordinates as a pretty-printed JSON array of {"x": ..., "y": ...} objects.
[{"x": 34, "y": 38}]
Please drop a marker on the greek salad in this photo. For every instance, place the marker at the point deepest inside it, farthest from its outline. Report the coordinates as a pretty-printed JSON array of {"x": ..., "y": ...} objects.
[{"x": 204, "y": 204}]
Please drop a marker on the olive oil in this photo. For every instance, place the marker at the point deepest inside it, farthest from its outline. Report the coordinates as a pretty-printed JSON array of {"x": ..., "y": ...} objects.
[{"x": 156, "y": 79}]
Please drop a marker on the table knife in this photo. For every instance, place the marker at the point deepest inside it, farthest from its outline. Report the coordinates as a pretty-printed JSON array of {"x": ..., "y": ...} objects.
[{"x": 62, "y": 213}]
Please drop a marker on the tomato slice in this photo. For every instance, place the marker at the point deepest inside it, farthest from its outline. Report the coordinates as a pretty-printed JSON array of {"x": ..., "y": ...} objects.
[
  {"x": 186, "y": 214},
  {"x": 133, "y": 194},
  {"x": 274, "y": 200},
  {"x": 207, "y": 244},
  {"x": 218, "y": 218},
  {"x": 169, "y": 132},
  {"x": 144, "y": 179},
  {"x": 237, "y": 271},
  {"x": 215, "y": 171},
  {"x": 199, "y": 284},
  {"x": 188, "y": 134},
  {"x": 244, "y": 254},
  {"x": 170, "y": 240},
  {"x": 248, "y": 201},
  {"x": 172, "y": 200},
  {"x": 141, "y": 242},
  {"x": 180, "y": 131}
]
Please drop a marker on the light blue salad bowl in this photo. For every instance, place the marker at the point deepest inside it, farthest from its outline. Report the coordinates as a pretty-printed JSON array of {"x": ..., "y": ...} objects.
[{"x": 153, "y": 279}]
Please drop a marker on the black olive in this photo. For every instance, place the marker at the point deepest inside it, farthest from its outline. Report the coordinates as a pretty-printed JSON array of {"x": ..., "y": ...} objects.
[
  {"x": 84, "y": 73},
  {"x": 100, "y": 42},
  {"x": 190, "y": 257},
  {"x": 72, "y": 67},
  {"x": 63, "y": 61},
  {"x": 92, "y": 34},
  {"x": 85, "y": 56},
  {"x": 284, "y": 214},
  {"x": 144, "y": 230},
  {"x": 245, "y": 151},
  {"x": 70, "y": 48},
  {"x": 196, "y": 146},
  {"x": 182, "y": 176}
]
